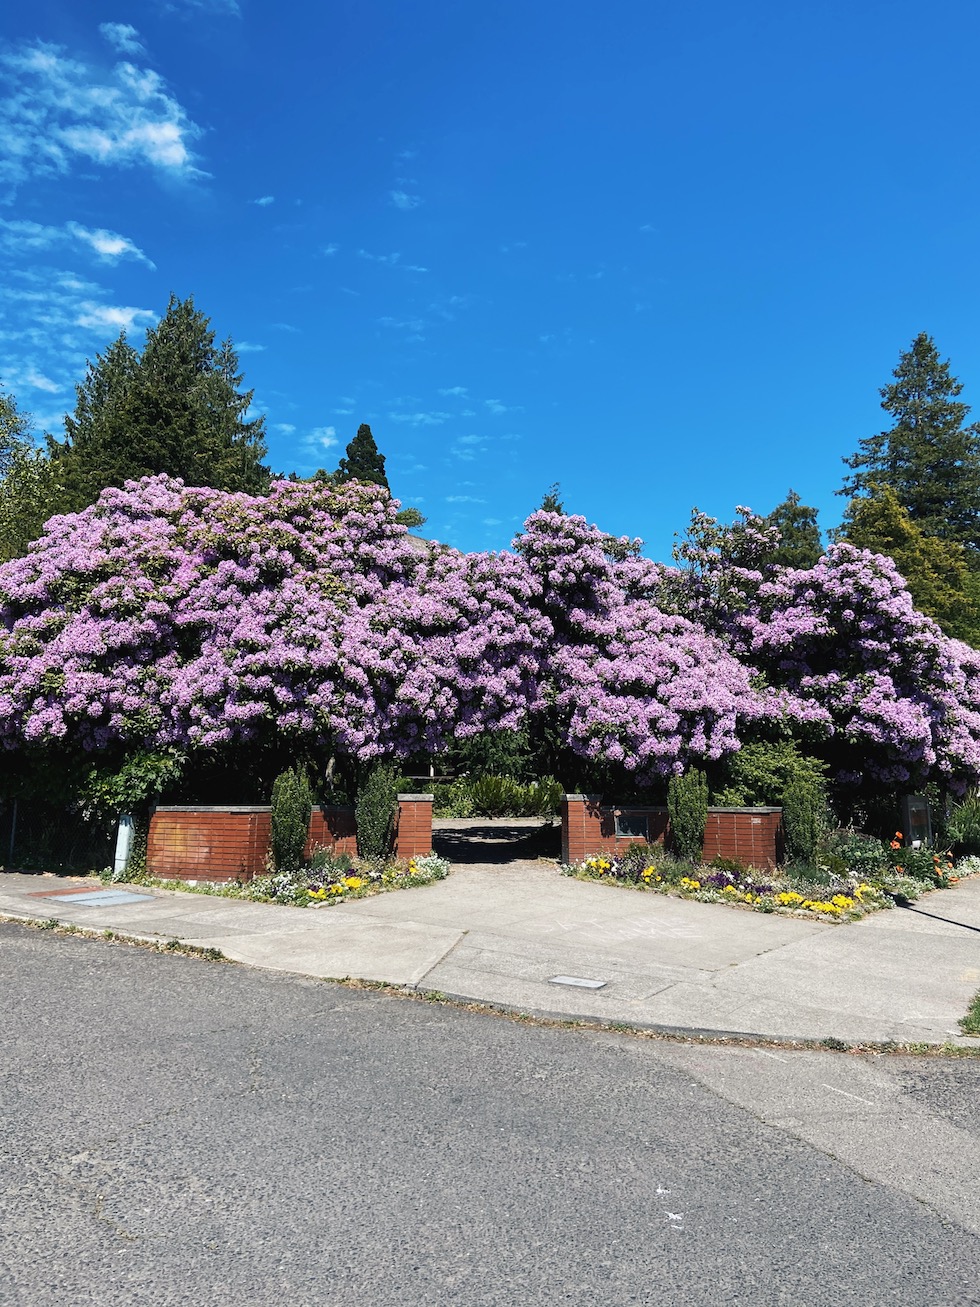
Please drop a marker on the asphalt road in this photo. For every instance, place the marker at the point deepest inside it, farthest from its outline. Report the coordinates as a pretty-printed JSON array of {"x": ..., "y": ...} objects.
[{"x": 176, "y": 1131}]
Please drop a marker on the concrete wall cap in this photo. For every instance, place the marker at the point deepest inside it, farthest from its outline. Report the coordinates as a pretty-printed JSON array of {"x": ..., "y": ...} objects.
[
  {"x": 196, "y": 807},
  {"x": 416, "y": 798}
]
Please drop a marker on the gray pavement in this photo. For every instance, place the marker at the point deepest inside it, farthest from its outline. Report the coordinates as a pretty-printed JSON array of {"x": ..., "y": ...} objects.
[{"x": 500, "y": 933}]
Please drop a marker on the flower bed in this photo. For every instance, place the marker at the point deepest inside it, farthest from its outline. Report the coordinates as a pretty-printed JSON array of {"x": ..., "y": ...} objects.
[
  {"x": 330, "y": 878},
  {"x": 835, "y": 891}
]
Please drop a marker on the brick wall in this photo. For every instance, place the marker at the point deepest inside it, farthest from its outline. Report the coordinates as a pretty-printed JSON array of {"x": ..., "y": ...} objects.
[
  {"x": 232, "y": 844},
  {"x": 211, "y": 844},
  {"x": 753, "y": 835},
  {"x": 332, "y": 828}
]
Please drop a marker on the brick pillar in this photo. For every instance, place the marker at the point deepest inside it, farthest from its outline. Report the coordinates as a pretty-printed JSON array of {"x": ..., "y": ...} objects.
[
  {"x": 581, "y": 827},
  {"x": 413, "y": 834}
]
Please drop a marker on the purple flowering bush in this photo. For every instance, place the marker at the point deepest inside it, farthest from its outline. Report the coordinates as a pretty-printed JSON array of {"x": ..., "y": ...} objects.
[{"x": 178, "y": 622}]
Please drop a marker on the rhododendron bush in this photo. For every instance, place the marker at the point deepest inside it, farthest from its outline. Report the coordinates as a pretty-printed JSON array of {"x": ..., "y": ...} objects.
[
  {"x": 176, "y": 616},
  {"x": 203, "y": 622}
]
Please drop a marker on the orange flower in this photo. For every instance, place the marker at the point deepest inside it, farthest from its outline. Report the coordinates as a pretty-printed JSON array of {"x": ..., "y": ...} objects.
[{"x": 896, "y": 844}]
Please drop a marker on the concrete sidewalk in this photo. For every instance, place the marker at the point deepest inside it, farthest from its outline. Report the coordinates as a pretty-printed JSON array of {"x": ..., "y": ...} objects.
[{"x": 501, "y": 934}]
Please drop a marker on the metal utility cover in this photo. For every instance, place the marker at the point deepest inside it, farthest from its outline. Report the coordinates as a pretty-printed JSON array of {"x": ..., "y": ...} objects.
[
  {"x": 106, "y": 897},
  {"x": 579, "y": 981}
]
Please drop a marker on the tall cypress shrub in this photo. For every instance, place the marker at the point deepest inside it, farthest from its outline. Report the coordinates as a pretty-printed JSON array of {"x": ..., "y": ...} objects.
[
  {"x": 374, "y": 809},
  {"x": 292, "y": 806},
  {"x": 687, "y": 803}
]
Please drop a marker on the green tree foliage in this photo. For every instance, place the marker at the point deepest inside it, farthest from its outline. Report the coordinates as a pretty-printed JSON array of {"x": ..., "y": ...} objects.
[
  {"x": 26, "y": 482},
  {"x": 777, "y": 774},
  {"x": 928, "y": 457},
  {"x": 178, "y": 408},
  {"x": 936, "y": 571},
  {"x": 552, "y": 502},
  {"x": 687, "y": 804},
  {"x": 799, "y": 543},
  {"x": 364, "y": 461},
  {"x": 292, "y": 806}
]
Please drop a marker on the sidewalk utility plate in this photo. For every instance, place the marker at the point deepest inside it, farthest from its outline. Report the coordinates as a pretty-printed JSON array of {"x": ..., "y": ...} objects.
[
  {"x": 579, "y": 981},
  {"x": 103, "y": 897}
]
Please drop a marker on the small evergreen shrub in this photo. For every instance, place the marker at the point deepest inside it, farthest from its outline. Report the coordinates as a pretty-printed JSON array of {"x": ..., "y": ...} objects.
[
  {"x": 804, "y": 818},
  {"x": 963, "y": 827},
  {"x": 687, "y": 803},
  {"x": 292, "y": 806},
  {"x": 374, "y": 809}
]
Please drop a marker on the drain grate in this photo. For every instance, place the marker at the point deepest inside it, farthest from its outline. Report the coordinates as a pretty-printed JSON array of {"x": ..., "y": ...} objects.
[{"x": 579, "y": 982}]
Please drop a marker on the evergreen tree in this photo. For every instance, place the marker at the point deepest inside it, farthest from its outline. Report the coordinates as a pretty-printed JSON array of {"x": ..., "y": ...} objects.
[
  {"x": 27, "y": 490},
  {"x": 175, "y": 408},
  {"x": 552, "y": 502},
  {"x": 928, "y": 457},
  {"x": 364, "y": 461},
  {"x": 936, "y": 571},
  {"x": 799, "y": 536}
]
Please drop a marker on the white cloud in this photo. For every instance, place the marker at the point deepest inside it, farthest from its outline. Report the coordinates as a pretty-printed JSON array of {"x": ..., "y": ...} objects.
[
  {"x": 402, "y": 200},
  {"x": 471, "y": 440},
  {"x": 495, "y": 406},
  {"x": 284, "y": 428},
  {"x": 464, "y": 499},
  {"x": 227, "y": 8},
  {"x": 434, "y": 419},
  {"x": 493, "y": 521},
  {"x": 414, "y": 267},
  {"x": 329, "y": 249},
  {"x": 246, "y": 347},
  {"x": 122, "y": 37},
  {"x": 62, "y": 109},
  {"x": 319, "y": 440},
  {"x": 454, "y": 390},
  {"x": 285, "y": 326},
  {"x": 25, "y": 235},
  {"x": 116, "y": 316},
  {"x": 389, "y": 259},
  {"x": 51, "y": 320},
  {"x": 264, "y": 201}
]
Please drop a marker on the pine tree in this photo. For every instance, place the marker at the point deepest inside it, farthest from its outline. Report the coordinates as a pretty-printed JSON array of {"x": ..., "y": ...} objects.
[
  {"x": 27, "y": 497},
  {"x": 929, "y": 458},
  {"x": 935, "y": 571},
  {"x": 364, "y": 461},
  {"x": 799, "y": 536},
  {"x": 175, "y": 408}
]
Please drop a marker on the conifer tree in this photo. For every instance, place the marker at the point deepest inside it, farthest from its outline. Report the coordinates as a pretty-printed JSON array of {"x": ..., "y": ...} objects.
[
  {"x": 175, "y": 408},
  {"x": 364, "y": 461},
  {"x": 929, "y": 458},
  {"x": 799, "y": 536},
  {"x": 935, "y": 571}
]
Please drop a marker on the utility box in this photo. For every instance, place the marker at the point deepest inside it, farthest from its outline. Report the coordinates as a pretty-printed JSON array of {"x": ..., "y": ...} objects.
[{"x": 916, "y": 822}]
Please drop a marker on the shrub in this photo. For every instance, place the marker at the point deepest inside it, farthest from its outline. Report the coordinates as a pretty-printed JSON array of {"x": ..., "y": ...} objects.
[
  {"x": 502, "y": 796},
  {"x": 687, "y": 803},
  {"x": 292, "y": 805},
  {"x": 963, "y": 827},
  {"x": 761, "y": 773},
  {"x": 375, "y": 808},
  {"x": 804, "y": 818},
  {"x": 452, "y": 799}
]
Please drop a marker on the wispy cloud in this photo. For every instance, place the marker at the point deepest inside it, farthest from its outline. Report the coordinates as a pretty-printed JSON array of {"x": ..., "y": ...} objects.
[
  {"x": 464, "y": 499},
  {"x": 117, "y": 317},
  {"x": 264, "y": 201},
  {"x": 283, "y": 428},
  {"x": 495, "y": 407},
  {"x": 62, "y": 109},
  {"x": 454, "y": 390},
  {"x": 247, "y": 347},
  {"x": 471, "y": 440},
  {"x": 122, "y": 37},
  {"x": 285, "y": 326},
  {"x": 422, "y": 419},
  {"x": 27, "y": 236},
  {"x": 50, "y": 321},
  {"x": 329, "y": 249},
  {"x": 226, "y": 8},
  {"x": 402, "y": 200},
  {"x": 389, "y": 259}
]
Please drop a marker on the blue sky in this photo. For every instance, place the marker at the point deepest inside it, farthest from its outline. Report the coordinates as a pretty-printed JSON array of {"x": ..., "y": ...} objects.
[{"x": 663, "y": 254}]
